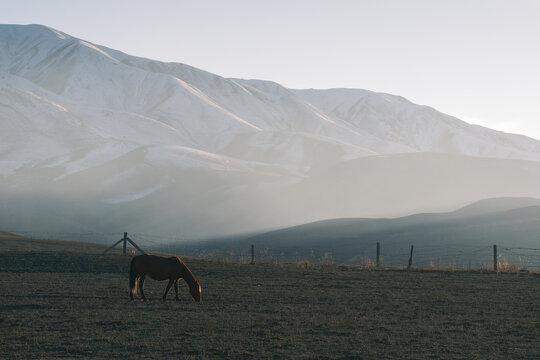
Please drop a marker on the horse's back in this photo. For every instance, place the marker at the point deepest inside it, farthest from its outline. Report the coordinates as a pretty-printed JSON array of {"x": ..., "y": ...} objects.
[{"x": 157, "y": 267}]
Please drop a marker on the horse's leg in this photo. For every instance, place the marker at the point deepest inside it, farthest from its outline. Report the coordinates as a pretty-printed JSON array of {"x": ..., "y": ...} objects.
[
  {"x": 141, "y": 286},
  {"x": 168, "y": 288},
  {"x": 134, "y": 288},
  {"x": 176, "y": 289}
]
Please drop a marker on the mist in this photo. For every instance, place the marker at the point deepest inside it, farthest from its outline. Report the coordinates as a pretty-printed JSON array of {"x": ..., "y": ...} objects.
[{"x": 198, "y": 204}]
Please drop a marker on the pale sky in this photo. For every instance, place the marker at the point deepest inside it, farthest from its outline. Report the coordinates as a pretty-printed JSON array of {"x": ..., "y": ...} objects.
[{"x": 478, "y": 60}]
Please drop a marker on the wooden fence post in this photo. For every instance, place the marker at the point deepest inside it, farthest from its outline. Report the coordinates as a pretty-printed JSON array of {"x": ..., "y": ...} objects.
[
  {"x": 410, "y": 258},
  {"x": 125, "y": 244},
  {"x": 495, "y": 258},
  {"x": 378, "y": 254}
]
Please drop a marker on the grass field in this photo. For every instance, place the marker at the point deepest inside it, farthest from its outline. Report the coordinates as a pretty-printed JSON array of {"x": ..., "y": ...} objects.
[{"x": 69, "y": 300}]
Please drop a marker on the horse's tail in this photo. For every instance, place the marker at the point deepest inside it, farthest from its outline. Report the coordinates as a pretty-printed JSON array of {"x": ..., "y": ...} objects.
[{"x": 132, "y": 279}]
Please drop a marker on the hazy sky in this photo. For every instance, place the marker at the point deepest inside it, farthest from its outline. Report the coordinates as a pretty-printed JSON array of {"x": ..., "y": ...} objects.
[{"x": 478, "y": 60}]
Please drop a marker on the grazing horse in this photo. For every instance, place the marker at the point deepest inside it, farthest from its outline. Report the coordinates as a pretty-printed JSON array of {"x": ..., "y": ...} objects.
[{"x": 161, "y": 268}]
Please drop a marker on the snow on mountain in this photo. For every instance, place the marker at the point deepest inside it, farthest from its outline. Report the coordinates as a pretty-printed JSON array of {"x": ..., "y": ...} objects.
[
  {"x": 80, "y": 116},
  {"x": 421, "y": 128}
]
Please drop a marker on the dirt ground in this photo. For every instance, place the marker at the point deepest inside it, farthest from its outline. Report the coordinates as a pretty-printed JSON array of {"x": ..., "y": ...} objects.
[{"x": 62, "y": 300}]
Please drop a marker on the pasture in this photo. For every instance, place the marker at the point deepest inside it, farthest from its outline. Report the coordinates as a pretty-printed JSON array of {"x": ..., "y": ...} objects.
[{"x": 69, "y": 300}]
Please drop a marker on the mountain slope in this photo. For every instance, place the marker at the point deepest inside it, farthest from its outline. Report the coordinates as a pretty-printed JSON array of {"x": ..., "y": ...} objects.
[
  {"x": 238, "y": 117},
  {"x": 210, "y": 155}
]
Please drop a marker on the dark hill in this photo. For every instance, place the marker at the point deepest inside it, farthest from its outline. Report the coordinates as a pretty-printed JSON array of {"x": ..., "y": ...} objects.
[{"x": 462, "y": 238}]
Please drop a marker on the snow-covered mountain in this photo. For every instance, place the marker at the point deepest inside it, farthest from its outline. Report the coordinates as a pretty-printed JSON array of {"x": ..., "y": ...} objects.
[{"x": 80, "y": 119}]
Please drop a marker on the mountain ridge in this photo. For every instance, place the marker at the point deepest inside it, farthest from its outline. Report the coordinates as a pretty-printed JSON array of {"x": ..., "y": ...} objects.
[{"x": 207, "y": 88}]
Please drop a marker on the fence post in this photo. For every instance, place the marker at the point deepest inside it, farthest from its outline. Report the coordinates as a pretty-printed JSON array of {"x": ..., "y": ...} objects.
[
  {"x": 125, "y": 243},
  {"x": 495, "y": 258},
  {"x": 378, "y": 254},
  {"x": 410, "y": 258},
  {"x": 252, "y": 254}
]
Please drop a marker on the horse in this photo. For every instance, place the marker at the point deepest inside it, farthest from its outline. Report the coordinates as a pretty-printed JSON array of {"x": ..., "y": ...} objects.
[{"x": 161, "y": 268}]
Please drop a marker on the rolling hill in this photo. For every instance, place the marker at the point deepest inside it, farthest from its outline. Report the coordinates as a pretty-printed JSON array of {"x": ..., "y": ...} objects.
[{"x": 459, "y": 238}]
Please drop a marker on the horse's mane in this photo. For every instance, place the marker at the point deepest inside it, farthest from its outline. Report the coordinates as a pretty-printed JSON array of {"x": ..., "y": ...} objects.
[{"x": 188, "y": 276}]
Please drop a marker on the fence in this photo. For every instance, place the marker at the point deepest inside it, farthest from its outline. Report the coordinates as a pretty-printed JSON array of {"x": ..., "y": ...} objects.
[
  {"x": 377, "y": 254},
  {"x": 502, "y": 258}
]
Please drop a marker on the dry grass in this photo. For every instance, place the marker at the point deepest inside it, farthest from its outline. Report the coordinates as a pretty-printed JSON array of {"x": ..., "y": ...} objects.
[{"x": 61, "y": 303}]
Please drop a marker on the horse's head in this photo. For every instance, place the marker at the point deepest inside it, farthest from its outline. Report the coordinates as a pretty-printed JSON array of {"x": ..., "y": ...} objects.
[{"x": 195, "y": 291}]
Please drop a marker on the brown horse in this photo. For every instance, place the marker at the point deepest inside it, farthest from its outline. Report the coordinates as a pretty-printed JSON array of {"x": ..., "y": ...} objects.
[{"x": 161, "y": 268}]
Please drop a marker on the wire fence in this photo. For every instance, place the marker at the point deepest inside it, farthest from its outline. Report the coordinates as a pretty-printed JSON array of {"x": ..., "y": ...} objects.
[{"x": 463, "y": 256}]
